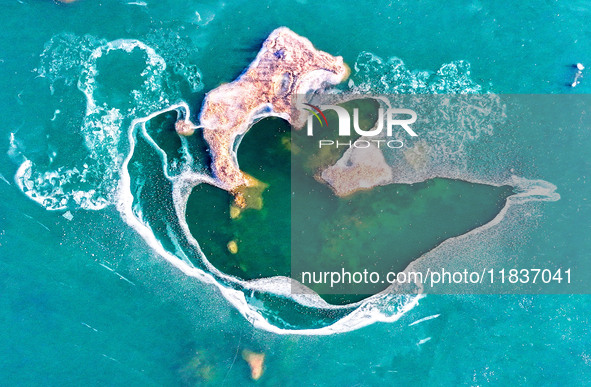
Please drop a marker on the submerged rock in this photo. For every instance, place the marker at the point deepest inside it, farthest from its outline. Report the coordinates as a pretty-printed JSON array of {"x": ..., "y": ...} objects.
[
  {"x": 256, "y": 362},
  {"x": 198, "y": 370},
  {"x": 233, "y": 247}
]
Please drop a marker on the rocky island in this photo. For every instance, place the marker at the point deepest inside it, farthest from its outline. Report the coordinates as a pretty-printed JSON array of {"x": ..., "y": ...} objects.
[
  {"x": 286, "y": 65},
  {"x": 358, "y": 169}
]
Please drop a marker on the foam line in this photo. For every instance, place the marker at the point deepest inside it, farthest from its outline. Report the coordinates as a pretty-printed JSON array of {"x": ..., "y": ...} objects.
[
  {"x": 424, "y": 319},
  {"x": 366, "y": 312}
]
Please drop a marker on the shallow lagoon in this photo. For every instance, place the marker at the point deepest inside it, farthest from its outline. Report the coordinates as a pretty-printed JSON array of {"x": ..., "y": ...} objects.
[{"x": 382, "y": 229}]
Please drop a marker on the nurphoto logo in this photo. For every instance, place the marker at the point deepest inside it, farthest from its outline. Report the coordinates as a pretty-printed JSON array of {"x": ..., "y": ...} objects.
[{"x": 387, "y": 119}]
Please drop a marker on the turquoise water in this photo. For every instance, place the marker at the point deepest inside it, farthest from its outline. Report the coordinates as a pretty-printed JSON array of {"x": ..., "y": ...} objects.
[{"x": 88, "y": 301}]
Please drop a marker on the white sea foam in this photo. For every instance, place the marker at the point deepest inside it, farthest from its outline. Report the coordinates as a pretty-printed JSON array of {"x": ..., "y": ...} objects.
[
  {"x": 74, "y": 59},
  {"x": 424, "y": 319},
  {"x": 423, "y": 341}
]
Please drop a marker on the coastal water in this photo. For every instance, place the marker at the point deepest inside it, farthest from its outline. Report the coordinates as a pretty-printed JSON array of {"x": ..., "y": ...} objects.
[{"x": 86, "y": 300}]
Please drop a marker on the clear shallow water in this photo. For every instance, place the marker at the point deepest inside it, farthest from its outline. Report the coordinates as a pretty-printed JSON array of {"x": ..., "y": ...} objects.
[{"x": 147, "y": 332}]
